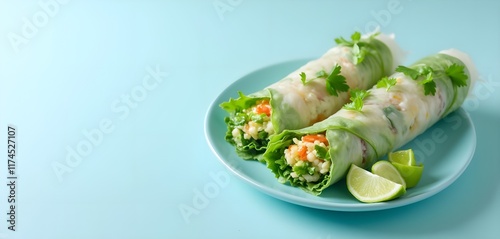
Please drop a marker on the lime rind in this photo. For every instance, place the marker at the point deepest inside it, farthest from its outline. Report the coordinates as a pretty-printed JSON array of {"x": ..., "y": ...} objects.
[
  {"x": 405, "y": 157},
  {"x": 411, "y": 174},
  {"x": 387, "y": 180}
]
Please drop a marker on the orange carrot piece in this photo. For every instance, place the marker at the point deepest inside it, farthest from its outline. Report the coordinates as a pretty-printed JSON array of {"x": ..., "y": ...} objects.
[
  {"x": 303, "y": 153},
  {"x": 313, "y": 137},
  {"x": 263, "y": 108}
]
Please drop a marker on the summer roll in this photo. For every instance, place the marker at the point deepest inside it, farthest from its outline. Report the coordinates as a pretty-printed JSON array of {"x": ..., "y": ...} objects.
[
  {"x": 377, "y": 121},
  {"x": 309, "y": 94}
]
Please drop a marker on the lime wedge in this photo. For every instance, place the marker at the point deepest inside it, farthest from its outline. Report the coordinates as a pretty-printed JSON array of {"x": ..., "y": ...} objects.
[
  {"x": 411, "y": 174},
  {"x": 368, "y": 187},
  {"x": 405, "y": 157},
  {"x": 387, "y": 170}
]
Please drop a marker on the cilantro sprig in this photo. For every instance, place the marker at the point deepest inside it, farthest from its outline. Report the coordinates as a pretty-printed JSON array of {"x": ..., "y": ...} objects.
[
  {"x": 357, "y": 97},
  {"x": 429, "y": 83},
  {"x": 454, "y": 71},
  {"x": 335, "y": 82},
  {"x": 414, "y": 74},
  {"x": 359, "y": 48},
  {"x": 425, "y": 71},
  {"x": 457, "y": 75},
  {"x": 386, "y": 83},
  {"x": 303, "y": 77},
  {"x": 355, "y": 37}
]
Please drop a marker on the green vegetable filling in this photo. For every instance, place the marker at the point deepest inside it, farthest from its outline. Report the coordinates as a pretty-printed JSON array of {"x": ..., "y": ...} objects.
[{"x": 248, "y": 131}]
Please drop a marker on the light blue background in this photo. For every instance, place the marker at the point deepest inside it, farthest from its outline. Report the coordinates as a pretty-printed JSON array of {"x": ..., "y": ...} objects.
[{"x": 70, "y": 73}]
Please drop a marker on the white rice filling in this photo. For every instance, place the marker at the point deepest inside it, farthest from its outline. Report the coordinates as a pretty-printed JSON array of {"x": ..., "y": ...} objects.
[
  {"x": 252, "y": 128},
  {"x": 292, "y": 156}
]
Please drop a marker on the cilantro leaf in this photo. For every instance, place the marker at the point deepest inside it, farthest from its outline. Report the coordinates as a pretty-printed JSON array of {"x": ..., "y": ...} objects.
[
  {"x": 351, "y": 106},
  {"x": 414, "y": 74},
  {"x": 321, "y": 152},
  {"x": 457, "y": 75},
  {"x": 358, "y": 47},
  {"x": 386, "y": 82},
  {"x": 342, "y": 41},
  {"x": 303, "y": 77},
  {"x": 356, "y": 36},
  {"x": 430, "y": 88},
  {"x": 362, "y": 94},
  {"x": 428, "y": 78},
  {"x": 358, "y": 54},
  {"x": 336, "y": 82},
  {"x": 425, "y": 70},
  {"x": 357, "y": 97},
  {"x": 428, "y": 83}
]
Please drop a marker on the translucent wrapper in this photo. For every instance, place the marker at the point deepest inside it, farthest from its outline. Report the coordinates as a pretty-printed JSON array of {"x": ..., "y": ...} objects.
[
  {"x": 388, "y": 119},
  {"x": 302, "y": 98}
]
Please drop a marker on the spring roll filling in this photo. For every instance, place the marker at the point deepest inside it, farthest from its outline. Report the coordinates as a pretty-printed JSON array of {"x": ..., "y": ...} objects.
[
  {"x": 308, "y": 158},
  {"x": 253, "y": 124}
]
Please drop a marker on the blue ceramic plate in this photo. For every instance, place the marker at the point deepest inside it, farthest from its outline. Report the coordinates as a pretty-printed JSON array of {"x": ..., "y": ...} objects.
[{"x": 445, "y": 149}]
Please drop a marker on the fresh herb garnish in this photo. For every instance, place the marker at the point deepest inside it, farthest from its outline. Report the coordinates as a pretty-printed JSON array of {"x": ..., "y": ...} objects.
[
  {"x": 457, "y": 75},
  {"x": 321, "y": 152},
  {"x": 386, "y": 82},
  {"x": 357, "y": 97},
  {"x": 303, "y": 77},
  {"x": 414, "y": 74},
  {"x": 336, "y": 82},
  {"x": 354, "y": 39},
  {"x": 429, "y": 84},
  {"x": 359, "y": 48},
  {"x": 454, "y": 71},
  {"x": 426, "y": 71},
  {"x": 358, "y": 53}
]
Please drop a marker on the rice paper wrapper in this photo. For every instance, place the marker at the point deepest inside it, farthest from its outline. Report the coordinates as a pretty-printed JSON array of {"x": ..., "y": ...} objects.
[{"x": 388, "y": 120}]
